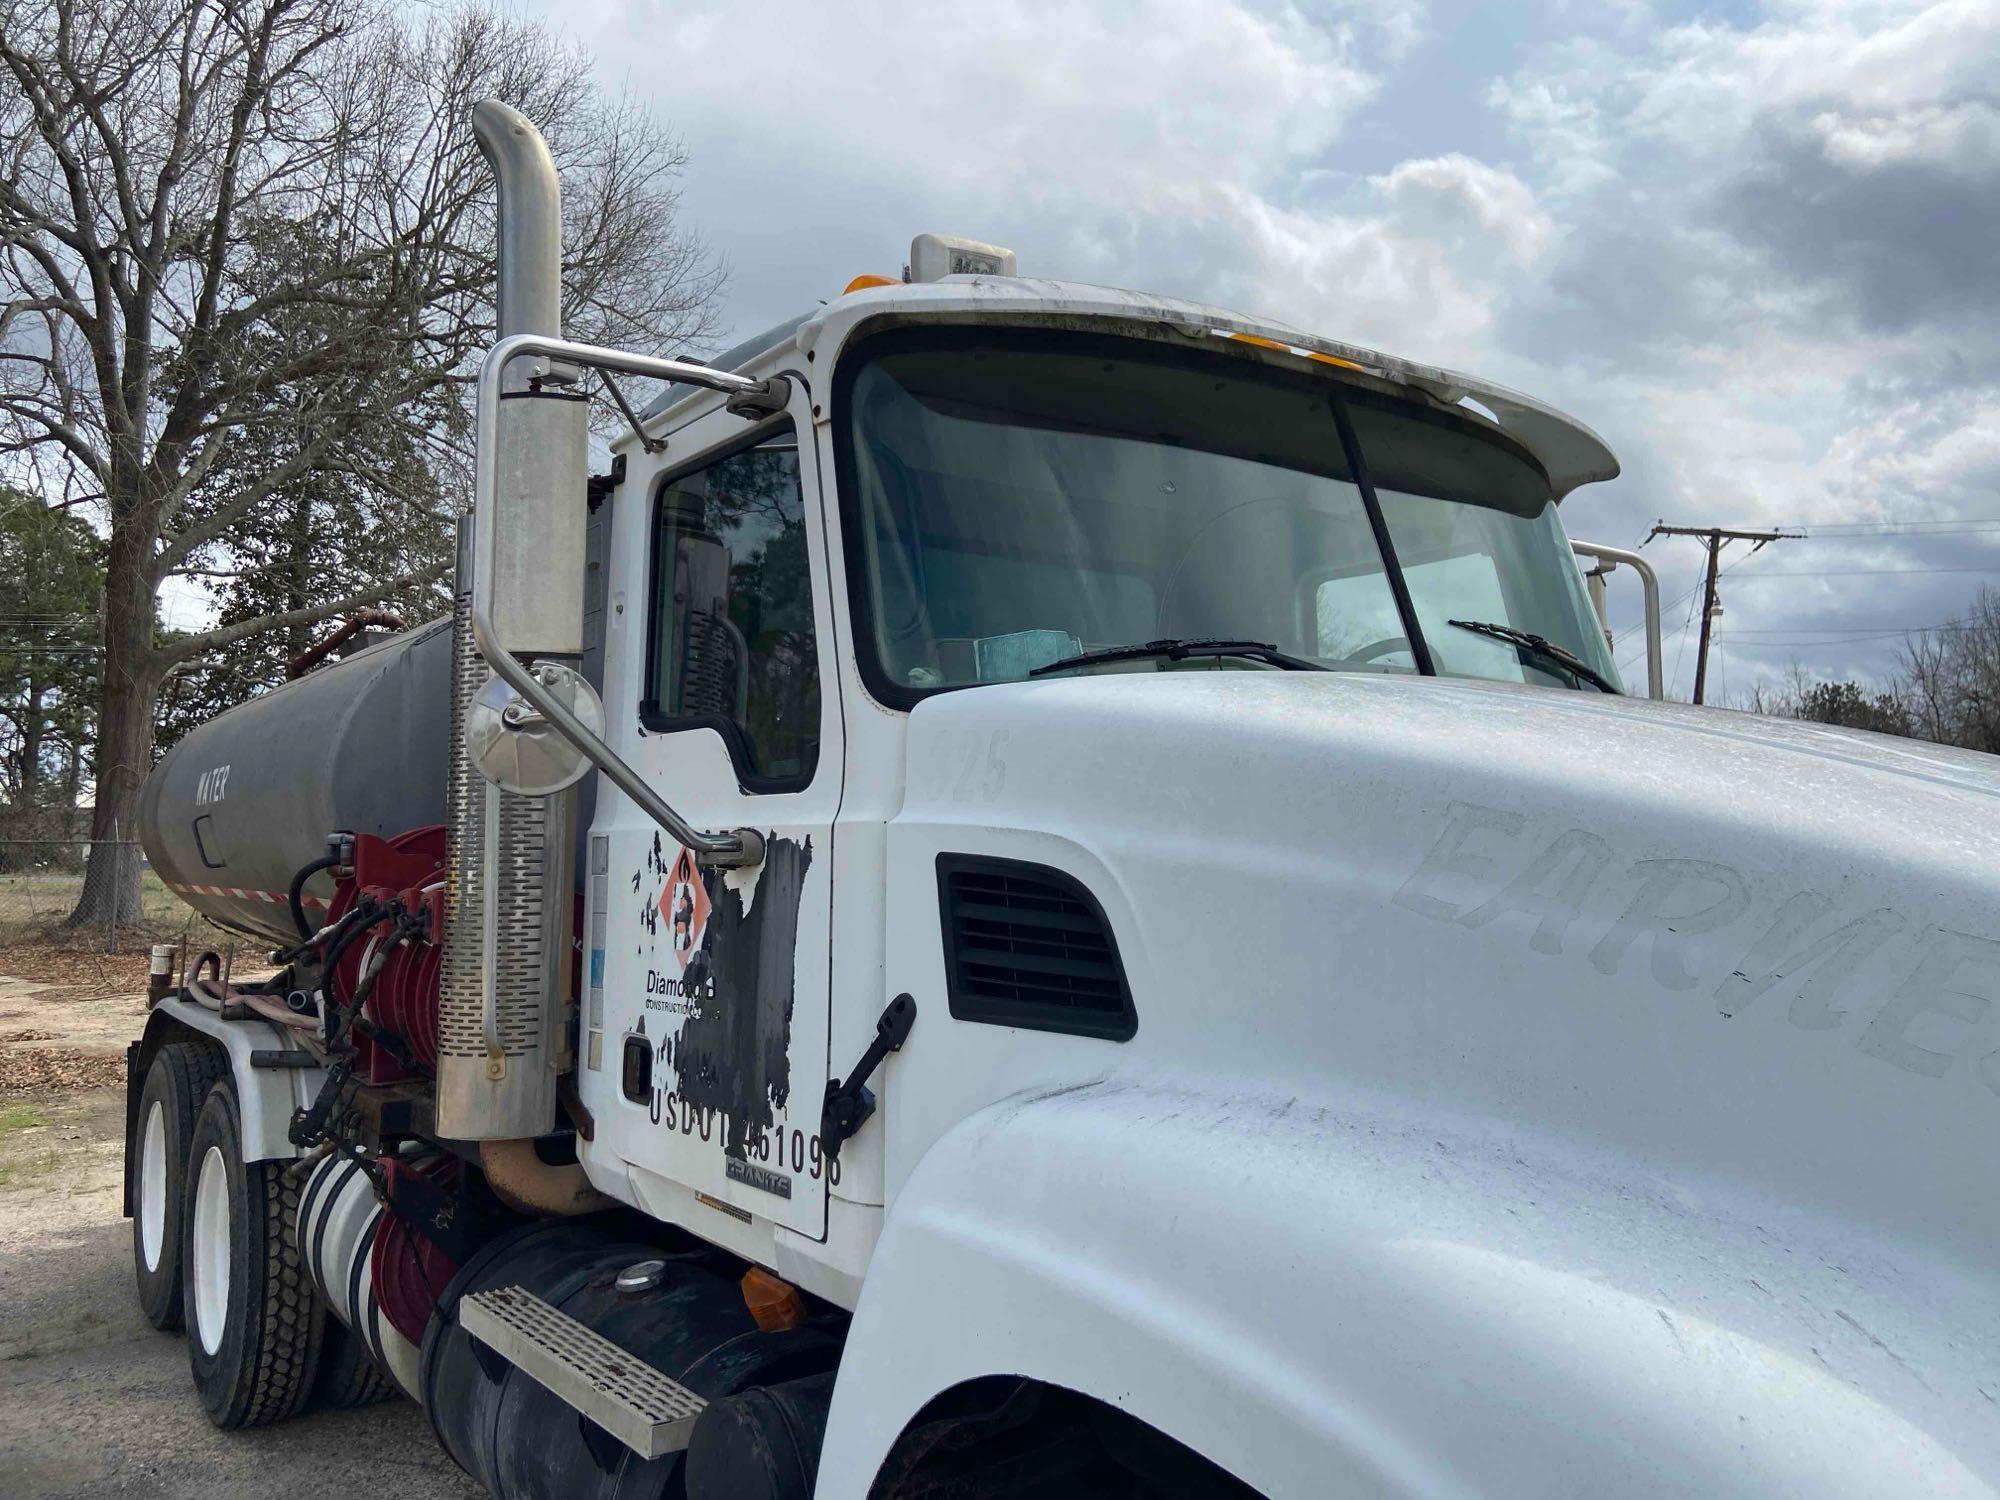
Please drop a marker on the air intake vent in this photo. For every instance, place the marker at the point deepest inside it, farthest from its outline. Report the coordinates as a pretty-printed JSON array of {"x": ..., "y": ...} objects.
[{"x": 1025, "y": 945}]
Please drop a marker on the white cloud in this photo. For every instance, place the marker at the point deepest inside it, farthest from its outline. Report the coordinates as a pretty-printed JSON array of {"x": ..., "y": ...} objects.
[
  {"x": 1171, "y": 144},
  {"x": 1035, "y": 98},
  {"x": 1960, "y": 138},
  {"x": 1708, "y": 79},
  {"x": 1357, "y": 278},
  {"x": 1417, "y": 264},
  {"x": 1562, "y": 129},
  {"x": 1461, "y": 202}
]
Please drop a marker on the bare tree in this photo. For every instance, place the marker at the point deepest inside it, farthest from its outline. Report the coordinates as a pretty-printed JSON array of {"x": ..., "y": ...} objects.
[
  {"x": 1951, "y": 677},
  {"x": 1946, "y": 687},
  {"x": 1800, "y": 695},
  {"x": 245, "y": 245}
]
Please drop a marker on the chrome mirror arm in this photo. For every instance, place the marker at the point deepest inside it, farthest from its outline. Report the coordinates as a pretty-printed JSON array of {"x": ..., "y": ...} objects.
[
  {"x": 744, "y": 846},
  {"x": 1649, "y": 581},
  {"x": 741, "y": 847}
]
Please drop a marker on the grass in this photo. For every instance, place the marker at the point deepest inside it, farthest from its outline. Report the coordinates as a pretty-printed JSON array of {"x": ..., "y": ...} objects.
[
  {"x": 15, "y": 1117},
  {"x": 23, "y": 1170},
  {"x": 35, "y": 903},
  {"x": 25, "y": 1156},
  {"x": 28, "y": 1166}
]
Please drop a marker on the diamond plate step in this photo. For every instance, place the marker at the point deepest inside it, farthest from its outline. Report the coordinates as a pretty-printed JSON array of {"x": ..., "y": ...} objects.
[{"x": 628, "y": 1398}]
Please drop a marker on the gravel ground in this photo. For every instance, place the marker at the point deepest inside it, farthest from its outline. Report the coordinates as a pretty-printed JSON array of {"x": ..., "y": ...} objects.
[{"x": 93, "y": 1401}]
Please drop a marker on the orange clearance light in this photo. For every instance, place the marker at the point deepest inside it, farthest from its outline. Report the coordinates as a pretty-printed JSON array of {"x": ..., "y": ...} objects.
[
  {"x": 774, "y": 1305},
  {"x": 863, "y": 282}
]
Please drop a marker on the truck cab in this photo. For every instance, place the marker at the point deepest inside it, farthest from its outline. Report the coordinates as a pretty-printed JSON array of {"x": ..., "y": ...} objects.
[{"x": 984, "y": 482}]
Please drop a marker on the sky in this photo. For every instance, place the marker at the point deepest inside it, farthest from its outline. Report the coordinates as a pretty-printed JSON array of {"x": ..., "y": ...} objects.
[{"x": 1751, "y": 245}]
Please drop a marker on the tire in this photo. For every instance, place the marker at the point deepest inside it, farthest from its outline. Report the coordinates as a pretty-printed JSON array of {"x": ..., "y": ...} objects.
[
  {"x": 348, "y": 1376},
  {"x": 179, "y": 1079},
  {"x": 253, "y": 1319}
]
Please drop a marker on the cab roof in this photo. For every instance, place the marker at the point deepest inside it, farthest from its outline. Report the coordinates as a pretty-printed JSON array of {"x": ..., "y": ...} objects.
[{"x": 1568, "y": 450}]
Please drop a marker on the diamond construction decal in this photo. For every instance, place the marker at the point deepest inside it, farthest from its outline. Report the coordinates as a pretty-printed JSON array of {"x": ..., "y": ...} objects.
[{"x": 684, "y": 907}]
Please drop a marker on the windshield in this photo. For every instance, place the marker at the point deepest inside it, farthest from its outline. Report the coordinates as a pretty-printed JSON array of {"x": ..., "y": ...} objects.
[{"x": 1016, "y": 499}]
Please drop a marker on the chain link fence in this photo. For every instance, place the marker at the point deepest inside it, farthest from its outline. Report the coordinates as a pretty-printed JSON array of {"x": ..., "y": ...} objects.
[{"x": 44, "y": 884}]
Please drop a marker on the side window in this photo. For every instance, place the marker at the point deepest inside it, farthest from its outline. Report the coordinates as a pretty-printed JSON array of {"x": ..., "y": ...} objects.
[{"x": 733, "y": 646}]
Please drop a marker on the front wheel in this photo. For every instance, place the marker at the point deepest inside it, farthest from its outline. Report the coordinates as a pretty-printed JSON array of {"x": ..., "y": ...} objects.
[{"x": 253, "y": 1320}]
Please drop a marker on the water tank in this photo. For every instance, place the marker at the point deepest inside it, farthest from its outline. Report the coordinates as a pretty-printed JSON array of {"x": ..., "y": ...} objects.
[{"x": 240, "y": 804}]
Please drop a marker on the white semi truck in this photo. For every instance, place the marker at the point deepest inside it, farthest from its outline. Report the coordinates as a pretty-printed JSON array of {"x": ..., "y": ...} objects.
[{"x": 1052, "y": 891}]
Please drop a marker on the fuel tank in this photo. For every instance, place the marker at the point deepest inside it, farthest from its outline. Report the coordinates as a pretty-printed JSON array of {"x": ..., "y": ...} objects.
[{"x": 232, "y": 812}]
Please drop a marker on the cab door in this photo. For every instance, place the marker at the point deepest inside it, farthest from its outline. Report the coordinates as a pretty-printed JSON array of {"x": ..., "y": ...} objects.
[{"x": 706, "y": 1005}]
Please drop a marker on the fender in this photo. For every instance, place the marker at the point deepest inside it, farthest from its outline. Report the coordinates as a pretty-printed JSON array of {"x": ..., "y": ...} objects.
[
  {"x": 1344, "y": 1300},
  {"x": 265, "y": 1097}
]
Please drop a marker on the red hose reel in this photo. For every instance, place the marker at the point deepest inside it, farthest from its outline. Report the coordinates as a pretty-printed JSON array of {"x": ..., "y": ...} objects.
[
  {"x": 408, "y": 1268},
  {"x": 404, "y": 1000}
]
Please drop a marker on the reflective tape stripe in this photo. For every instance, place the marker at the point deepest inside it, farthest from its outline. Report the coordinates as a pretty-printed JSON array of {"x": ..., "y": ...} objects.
[{"x": 276, "y": 897}]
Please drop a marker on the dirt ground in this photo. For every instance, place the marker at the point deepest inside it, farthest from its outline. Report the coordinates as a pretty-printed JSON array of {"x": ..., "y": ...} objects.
[{"x": 93, "y": 1401}]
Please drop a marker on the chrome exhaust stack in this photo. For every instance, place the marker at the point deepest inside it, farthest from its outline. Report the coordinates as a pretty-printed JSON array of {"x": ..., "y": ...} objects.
[
  {"x": 525, "y": 725},
  {"x": 521, "y": 566}
]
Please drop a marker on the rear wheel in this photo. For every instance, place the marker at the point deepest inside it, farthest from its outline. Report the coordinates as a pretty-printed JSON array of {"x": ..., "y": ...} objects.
[
  {"x": 179, "y": 1079},
  {"x": 253, "y": 1320}
]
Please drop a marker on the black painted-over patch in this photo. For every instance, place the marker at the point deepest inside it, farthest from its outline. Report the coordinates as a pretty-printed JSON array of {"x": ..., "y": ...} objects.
[{"x": 734, "y": 1049}]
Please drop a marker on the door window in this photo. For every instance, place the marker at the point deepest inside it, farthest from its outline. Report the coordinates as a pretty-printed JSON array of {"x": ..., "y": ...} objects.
[{"x": 732, "y": 641}]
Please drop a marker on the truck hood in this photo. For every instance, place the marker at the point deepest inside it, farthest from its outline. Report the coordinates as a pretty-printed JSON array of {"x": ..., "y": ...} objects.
[
  {"x": 1598, "y": 913},
  {"x": 1709, "y": 990}
]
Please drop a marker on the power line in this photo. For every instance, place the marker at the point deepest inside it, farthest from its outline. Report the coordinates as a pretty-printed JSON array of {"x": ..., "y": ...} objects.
[
  {"x": 1839, "y": 641},
  {"x": 1714, "y": 538},
  {"x": 1681, "y": 651},
  {"x": 1810, "y": 636},
  {"x": 1852, "y": 572},
  {"x": 1880, "y": 628},
  {"x": 1672, "y": 604},
  {"x": 1943, "y": 526}
]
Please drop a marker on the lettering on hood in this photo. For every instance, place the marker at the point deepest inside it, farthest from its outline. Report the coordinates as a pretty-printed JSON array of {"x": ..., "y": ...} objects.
[{"x": 1919, "y": 1006}]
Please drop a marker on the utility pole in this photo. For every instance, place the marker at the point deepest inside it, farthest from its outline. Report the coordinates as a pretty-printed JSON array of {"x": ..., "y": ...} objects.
[{"x": 1714, "y": 538}]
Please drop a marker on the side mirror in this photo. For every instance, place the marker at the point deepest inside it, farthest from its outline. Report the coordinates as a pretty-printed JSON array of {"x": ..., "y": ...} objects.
[{"x": 517, "y": 747}]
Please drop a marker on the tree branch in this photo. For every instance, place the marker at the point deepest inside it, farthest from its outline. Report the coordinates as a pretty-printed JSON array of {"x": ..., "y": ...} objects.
[
  {"x": 215, "y": 640},
  {"x": 178, "y": 548}
]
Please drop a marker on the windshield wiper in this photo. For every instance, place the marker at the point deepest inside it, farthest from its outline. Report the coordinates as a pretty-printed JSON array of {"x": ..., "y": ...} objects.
[
  {"x": 1548, "y": 650},
  {"x": 1181, "y": 650}
]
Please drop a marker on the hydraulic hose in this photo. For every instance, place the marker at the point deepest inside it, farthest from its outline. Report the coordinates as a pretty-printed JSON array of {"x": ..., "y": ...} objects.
[
  {"x": 296, "y": 895},
  {"x": 202, "y": 995},
  {"x": 330, "y": 960},
  {"x": 329, "y": 935},
  {"x": 371, "y": 968}
]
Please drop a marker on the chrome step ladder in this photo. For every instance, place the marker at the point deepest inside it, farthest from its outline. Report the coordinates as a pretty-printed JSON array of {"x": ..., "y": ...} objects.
[{"x": 645, "y": 1410}]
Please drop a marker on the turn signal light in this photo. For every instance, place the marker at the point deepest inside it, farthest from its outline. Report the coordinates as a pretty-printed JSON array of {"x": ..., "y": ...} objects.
[
  {"x": 774, "y": 1305},
  {"x": 1263, "y": 343}
]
